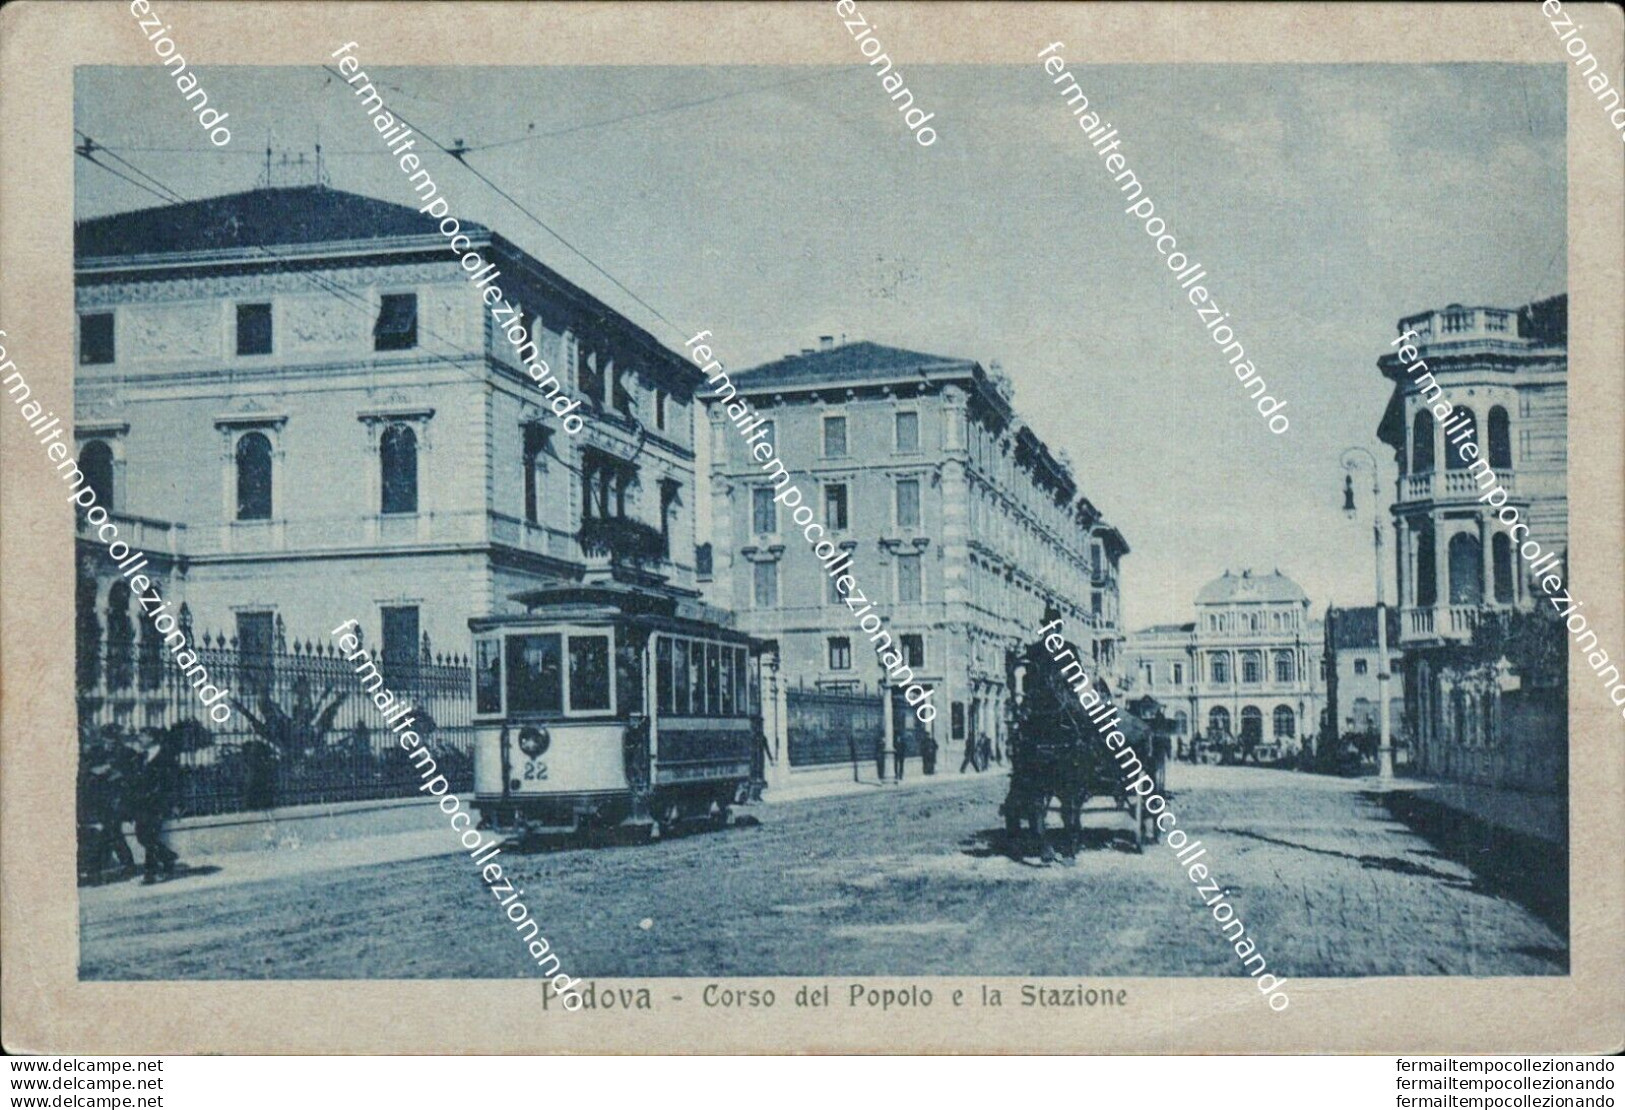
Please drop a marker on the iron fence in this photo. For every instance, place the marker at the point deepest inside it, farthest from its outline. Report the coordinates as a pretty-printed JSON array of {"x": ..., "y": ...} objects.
[
  {"x": 302, "y": 729},
  {"x": 832, "y": 726}
]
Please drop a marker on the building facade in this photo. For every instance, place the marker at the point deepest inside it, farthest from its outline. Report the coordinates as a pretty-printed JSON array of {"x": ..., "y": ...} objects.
[
  {"x": 961, "y": 523},
  {"x": 1351, "y": 666},
  {"x": 1499, "y": 376},
  {"x": 300, "y": 398},
  {"x": 1247, "y": 666}
]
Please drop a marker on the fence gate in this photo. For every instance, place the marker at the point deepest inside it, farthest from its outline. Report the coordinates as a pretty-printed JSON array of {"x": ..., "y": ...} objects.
[{"x": 832, "y": 726}]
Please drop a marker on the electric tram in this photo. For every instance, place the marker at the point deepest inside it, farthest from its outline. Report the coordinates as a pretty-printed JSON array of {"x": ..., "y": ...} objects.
[{"x": 609, "y": 706}]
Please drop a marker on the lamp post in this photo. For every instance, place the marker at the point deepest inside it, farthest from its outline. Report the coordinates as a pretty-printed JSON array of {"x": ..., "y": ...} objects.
[{"x": 1357, "y": 458}]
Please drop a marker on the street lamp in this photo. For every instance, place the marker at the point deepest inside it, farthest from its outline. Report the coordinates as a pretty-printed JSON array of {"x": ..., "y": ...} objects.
[{"x": 1357, "y": 458}]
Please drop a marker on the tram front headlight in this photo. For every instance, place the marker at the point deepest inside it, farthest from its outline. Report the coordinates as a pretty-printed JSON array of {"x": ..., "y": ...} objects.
[{"x": 533, "y": 741}]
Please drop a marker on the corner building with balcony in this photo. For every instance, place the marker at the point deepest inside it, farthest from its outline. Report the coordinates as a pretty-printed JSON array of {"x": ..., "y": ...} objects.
[
  {"x": 299, "y": 397},
  {"x": 1503, "y": 373},
  {"x": 961, "y": 524}
]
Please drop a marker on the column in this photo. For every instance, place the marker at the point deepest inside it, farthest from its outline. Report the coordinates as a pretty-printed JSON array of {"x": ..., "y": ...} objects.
[
  {"x": 1441, "y": 574},
  {"x": 1407, "y": 565},
  {"x": 1486, "y": 559}
]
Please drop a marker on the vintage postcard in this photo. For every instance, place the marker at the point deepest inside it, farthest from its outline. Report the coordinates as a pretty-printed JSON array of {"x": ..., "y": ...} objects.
[{"x": 817, "y": 528}]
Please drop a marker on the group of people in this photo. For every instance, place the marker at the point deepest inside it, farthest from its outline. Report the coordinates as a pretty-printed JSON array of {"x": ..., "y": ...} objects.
[
  {"x": 126, "y": 777},
  {"x": 928, "y": 755}
]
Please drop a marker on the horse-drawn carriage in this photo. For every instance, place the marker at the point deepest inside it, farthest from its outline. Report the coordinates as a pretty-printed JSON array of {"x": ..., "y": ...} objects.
[{"x": 1059, "y": 755}]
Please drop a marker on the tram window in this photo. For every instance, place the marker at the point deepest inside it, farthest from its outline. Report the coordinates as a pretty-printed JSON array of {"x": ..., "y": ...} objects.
[
  {"x": 663, "y": 675},
  {"x": 589, "y": 672},
  {"x": 679, "y": 677},
  {"x": 741, "y": 681},
  {"x": 487, "y": 676},
  {"x": 535, "y": 676},
  {"x": 713, "y": 672},
  {"x": 696, "y": 677},
  {"x": 727, "y": 682},
  {"x": 628, "y": 677}
]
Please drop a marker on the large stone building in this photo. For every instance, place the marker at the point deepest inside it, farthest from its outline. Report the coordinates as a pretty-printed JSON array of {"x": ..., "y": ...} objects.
[
  {"x": 1248, "y": 665},
  {"x": 299, "y": 398},
  {"x": 1503, "y": 374},
  {"x": 961, "y": 523}
]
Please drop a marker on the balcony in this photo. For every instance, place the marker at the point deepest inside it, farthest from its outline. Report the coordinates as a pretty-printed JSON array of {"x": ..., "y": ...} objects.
[
  {"x": 1458, "y": 324},
  {"x": 1449, "y": 485},
  {"x": 622, "y": 539},
  {"x": 1438, "y": 622}
]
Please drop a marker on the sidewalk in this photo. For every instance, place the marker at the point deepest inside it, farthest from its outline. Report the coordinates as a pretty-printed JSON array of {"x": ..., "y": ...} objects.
[
  {"x": 1542, "y": 817},
  {"x": 436, "y": 839}
]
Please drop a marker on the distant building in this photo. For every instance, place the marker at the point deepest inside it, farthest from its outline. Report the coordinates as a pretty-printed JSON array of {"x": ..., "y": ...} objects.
[
  {"x": 1248, "y": 665},
  {"x": 1503, "y": 372},
  {"x": 1351, "y": 666},
  {"x": 297, "y": 397},
  {"x": 962, "y": 525}
]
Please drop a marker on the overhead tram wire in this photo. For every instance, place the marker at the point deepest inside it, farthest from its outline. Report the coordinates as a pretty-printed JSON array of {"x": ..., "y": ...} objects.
[
  {"x": 338, "y": 292},
  {"x": 458, "y": 153}
]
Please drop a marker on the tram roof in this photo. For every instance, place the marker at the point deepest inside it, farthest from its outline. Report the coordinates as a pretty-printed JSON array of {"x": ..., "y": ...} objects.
[{"x": 651, "y": 609}]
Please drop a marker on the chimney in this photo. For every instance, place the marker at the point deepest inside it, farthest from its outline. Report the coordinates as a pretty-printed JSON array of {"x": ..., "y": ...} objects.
[
  {"x": 806, "y": 350},
  {"x": 826, "y": 342}
]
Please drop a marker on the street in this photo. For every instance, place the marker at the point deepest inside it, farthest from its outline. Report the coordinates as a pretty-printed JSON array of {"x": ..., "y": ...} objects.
[{"x": 900, "y": 882}]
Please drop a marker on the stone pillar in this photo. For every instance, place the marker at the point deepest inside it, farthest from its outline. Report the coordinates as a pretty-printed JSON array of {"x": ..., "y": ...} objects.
[
  {"x": 1404, "y": 543},
  {"x": 1441, "y": 575},
  {"x": 1486, "y": 559}
]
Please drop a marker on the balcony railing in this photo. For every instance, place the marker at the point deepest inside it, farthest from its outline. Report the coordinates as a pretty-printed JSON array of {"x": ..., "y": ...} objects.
[
  {"x": 1457, "y": 323},
  {"x": 1439, "y": 622},
  {"x": 622, "y": 538},
  {"x": 1442, "y": 485}
]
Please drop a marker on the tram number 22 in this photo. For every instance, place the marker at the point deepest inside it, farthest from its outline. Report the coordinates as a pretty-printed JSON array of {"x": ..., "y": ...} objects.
[{"x": 535, "y": 771}]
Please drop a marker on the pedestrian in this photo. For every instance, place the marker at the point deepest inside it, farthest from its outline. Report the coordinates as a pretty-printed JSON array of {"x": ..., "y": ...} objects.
[
  {"x": 970, "y": 754},
  {"x": 102, "y": 808},
  {"x": 928, "y": 754},
  {"x": 900, "y": 753},
  {"x": 985, "y": 751},
  {"x": 156, "y": 784},
  {"x": 880, "y": 757}
]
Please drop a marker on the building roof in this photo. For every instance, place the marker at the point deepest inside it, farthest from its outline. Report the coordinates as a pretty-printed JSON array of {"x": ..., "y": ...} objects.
[
  {"x": 1357, "y": 627},
  {"x": 1166, "y": 629},
  {"x": 1248, "y": 586},
  {"x": 260, "y": 217},
  {"x": 850, "y": 362}
]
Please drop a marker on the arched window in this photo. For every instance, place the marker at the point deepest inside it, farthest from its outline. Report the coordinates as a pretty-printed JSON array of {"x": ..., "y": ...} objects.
[
  {"x": 1427, "y": 576},
  {"x": 1219, "y": 668},
  {"x": 1286, "y": 725},
  {"x": 1284, "y": 668},
  {"x": 1422, "y": 443},
  {"x": 1466, "y": 570},
  {"x": 96, "y": 464},
  {"x": 1219, "y": 719},
  {"x": 1500, "y": 439},
  {"x": 398, "y": 464},
  {"x": 1252, "y": 667},
  {"x": 1452, "y": 451},
  {"x": 1501, "y": 556},
  {"x": 1252, "y": 724},
  {"x": 254, "y": 477}
]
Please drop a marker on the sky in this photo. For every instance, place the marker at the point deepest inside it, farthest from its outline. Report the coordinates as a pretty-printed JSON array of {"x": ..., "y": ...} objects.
[{"x": 773, "y": 205}]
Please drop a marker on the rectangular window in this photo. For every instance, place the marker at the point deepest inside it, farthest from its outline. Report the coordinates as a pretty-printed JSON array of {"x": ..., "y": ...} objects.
[
  {"x": 956, "y": 718},
  {"x": 763, "y": 512},
  {"x": 713, "y": 680},
  {"x": 660, "y": 409},
  {"x": 679, "y": 677},
  {"x": 535, "y": 674},
  {"x": 766, "y": 583},
  {"x": 1283, "y": 667},
  {"x": 1096, "y": 602},
  {"x": 696, "y": 677},
  {"x": 254, "y": 636},
  {"x": 741, "y": 682},
  {"x": 1360, "y": 666},
  {"x": 913, "y": 649},
  {"x": 592, "y": 379},
  {"x": 95, "y": 338},
  {"x": 400, "y": 644},
  {"x": 620, "y": 396},
  {"x": 840, "y": 653},
  {"x": 663, "y": 675},
  {"x": 589, "y": 673},
  {"x": 253, "y": 329},
  {"x": 835, "y": 437},
  {"x": 908, "y": 503},
  {"x": 835, "y": 507},
  {"x": 488, "y": 676},
  {"x": 1177, "y": 673},
  {"x": 535, "y": 448},
  {"x": 907, "y": 430},
  {"x": 908, "y": 578},
  {"x": 727, "y": 682},
  {"x": 397, "y": 326},
  {"x": 832, "y": 595}
]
